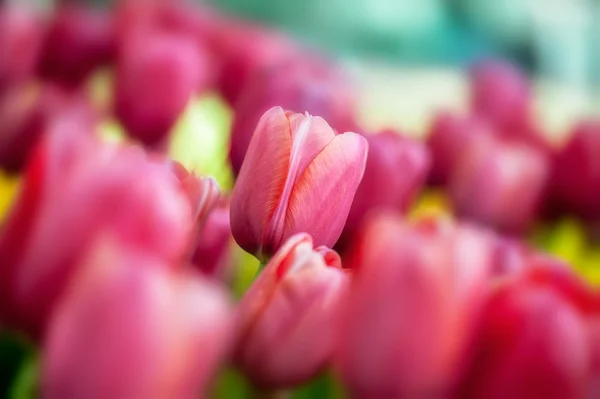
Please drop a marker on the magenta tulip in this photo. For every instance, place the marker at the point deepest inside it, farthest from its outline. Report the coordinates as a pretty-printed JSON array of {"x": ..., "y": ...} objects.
[
  {"x": 131, "y": 326},
  {"x": 298, "y": 176},
  {"x": 287, "y": 319},
  {"x": 395, "y": 173},
  {"x": 212, "y": 255}
]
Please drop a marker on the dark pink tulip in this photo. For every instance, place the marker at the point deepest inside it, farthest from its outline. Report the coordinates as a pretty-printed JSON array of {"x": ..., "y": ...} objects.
[
  {"x": 298, "y": 176},
  {"x": 500, "y": 184},
  {"x": 75, "y": 187},
  {"x": 288, "y": 317},
  {"x": 80, "y": 39},
  {"x": 156, "y": 76},
  {"x": 21, "y": 36},
  {"x": 131, "y": 326},
  {"x": 450, "y": 135},
  {"x": 501, "y": 94},
  {"x": 413, "y": 302},
  {"x": 295, "y": 87},
  {"x": 396, "y": 171},
  {"x": 212, "y": 254},
  {"x": 575, "y": 179}
]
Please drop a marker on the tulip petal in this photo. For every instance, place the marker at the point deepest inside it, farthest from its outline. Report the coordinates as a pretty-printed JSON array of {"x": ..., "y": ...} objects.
[{"x": 335, "y": 173}]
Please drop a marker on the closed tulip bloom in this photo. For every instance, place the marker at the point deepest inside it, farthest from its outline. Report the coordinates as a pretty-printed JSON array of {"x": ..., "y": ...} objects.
[
  {"x": 414, "y": 299},
  {"x": 212, "y": 254},
  {"x": 131, "y": 326},
  {"x": 500, "y": 184},
  {"x": 396, "y": 171},
  {"x": 287, "y": 319},
  {"x": 298, "y": 176}
]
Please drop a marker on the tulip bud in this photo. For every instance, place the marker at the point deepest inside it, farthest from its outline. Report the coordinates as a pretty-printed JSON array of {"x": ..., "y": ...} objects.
[
  {"x": 396, "y": 171},
  {"x": 21, "y": 35},
  {"x": 212, "y": 254},
  {"x": 80, "y": 39},
  {"x": 575, "y": 178},
  {"x": 130, "y": 326},
  {"x": 414, "y": 298},
  {"x": 500, "y": 184},
  {"x": 288, "y": 316},
  {"x": 501, "y": 94},
  {"x": 74, "y": 187},
  {"x": 156, "y": 76},
  {"x": 295, "y": 87},
  {"x": 298, "y": 176},
  {"x": 449, "y": 137}
]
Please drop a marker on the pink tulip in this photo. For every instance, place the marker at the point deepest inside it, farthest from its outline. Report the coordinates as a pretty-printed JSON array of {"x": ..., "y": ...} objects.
[
  {"x": 395, "y": 173},
  {"x": 294, "y": 86},
  {"x": 298, "y": 176},
  {"x": 450, "y": 135},
  {"x": 21, "y": 36},
  {"x": 414, "y": 299},
  {"x": 80, "y": 39},
  {"x": 156, "y": 76},
  {"x": 500, "y": 184},
  {"x": 130, "y": 326},
  {"x": 212, "y": 254},
  {"x": 74, "y": 187},
  {"x": 287, "y": 318}
]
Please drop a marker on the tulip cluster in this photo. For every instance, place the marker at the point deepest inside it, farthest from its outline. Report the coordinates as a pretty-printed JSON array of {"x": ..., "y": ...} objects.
[{"x": 121, "y": 267}]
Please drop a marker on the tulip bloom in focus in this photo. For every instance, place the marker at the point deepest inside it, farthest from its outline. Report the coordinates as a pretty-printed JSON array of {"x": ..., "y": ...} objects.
[
  {"x": 298, "y": 176},
  {"x": 414, "y": 298},
  {"x": 288, "y": 317},
  {"x": 131, "y": 326}
]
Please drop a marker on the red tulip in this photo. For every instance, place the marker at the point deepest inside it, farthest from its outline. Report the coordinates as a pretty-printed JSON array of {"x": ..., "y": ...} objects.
[
  {"x": 298, "y": 176},
  {"x": 212, "y": 254},
  {"x": 413, "y": 303},
  {"x": 295, "y": 87},
  {"x": 500, "y": 184},
  {"x": 80, "y": 39},
  {"x": 396, "y": 171},
  {"x": 21, "y": 36},
  {"x": 130, "y": 326},
  {"x": 156, "y": 76},
  {"x": 74, "y": 187},
  {"x": 449, "y": 137},
  {"x": 288, "y": 316}
]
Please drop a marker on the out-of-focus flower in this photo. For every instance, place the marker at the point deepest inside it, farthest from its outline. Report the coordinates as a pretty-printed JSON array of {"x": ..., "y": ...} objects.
[
  {"x": 298, "y": 176},
  {"x": 414, "y": 299},
  {"x": 501, "y": 94},
  {"x": 79, "y": 40},
  {"x": 500, "y": 184},
  {"x": 575, "y": 176},
  {"x": 450, "y": 135},
  {"x": 73, "y": 187},
  {"x": 213, "y": 251},
  {"x": 156, "y": 76},
  {"x": 296, "y": 87},
  {"x": 288, "y": 317},
  {"x": 27, "y": 112},
  {"x": 21, "y": 36},
  {"x": 131, "y": 326},
  {"x": 396, "y": 171}
]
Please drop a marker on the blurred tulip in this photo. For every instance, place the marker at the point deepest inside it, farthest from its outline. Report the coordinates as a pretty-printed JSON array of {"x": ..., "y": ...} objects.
[
  {"x": 298, "y": 176},
  {"x": 288, "y": 316},
  {"x": 449, "y": 137},
  {"x": 501, "y": 94},
  {"x": 21, "y": 36},
  {"x": 575, "y": 177},
  {"x": 156, "y": 76},
  {"x": 415, "y": 296},
  {"x": 80, "y": 39},
  {"x": 395, "y": 173},
  {"x": 295, "y": 87},
  {"x": 130, "y": 326},
  {"x": 74, "y": 187},
  {"x": 212, "y": 254},
  {"x": 500, "y": 184}
]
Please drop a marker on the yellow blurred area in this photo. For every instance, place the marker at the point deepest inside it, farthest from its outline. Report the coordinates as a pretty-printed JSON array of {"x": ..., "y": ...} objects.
[
  {"x": 431, "y": 203},
  {"x": 9, "y": 186}
]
